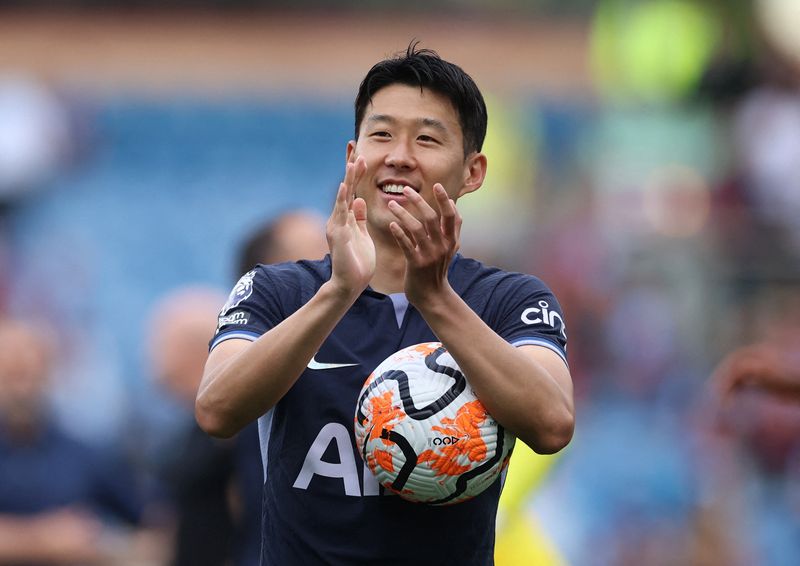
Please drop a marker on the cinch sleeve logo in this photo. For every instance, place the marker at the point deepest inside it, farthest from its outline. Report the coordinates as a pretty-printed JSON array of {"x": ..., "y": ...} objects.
[{"x": 543, "y": 315}]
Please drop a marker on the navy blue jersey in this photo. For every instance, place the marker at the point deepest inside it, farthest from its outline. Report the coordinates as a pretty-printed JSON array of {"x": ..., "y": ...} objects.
[{"x": 322, "y": 505}]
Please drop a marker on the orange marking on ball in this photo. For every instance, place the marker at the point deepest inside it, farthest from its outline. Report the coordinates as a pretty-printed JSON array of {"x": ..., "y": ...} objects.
[
  {"x": 384, "y": 415},
  {"x": 444, "y": 464},
  {"x": 427, "y": 348},
  {"x": 384, "y": 460},
  {"x": 465, "y": 426}
]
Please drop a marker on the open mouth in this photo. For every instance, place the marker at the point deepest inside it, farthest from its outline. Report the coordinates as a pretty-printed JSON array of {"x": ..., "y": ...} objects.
[{"x": 394, "y": 188}]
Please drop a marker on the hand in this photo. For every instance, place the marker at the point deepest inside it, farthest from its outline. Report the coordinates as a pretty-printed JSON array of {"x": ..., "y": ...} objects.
[
  {"x": 352, "y": 248},
  {"x": 759, "y": 365},
  {"x": 429, "y": 239}
]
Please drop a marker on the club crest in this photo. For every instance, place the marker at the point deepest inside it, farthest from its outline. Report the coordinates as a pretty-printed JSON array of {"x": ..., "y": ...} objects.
[{"x": 242, "y": 290}]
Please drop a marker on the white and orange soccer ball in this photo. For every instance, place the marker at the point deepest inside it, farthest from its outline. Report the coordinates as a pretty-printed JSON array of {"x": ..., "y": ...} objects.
[{"x": 423, "y": 432}]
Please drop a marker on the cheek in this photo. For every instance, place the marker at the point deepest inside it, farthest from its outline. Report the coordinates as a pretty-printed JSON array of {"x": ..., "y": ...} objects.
[
  {"x": 450, "y": 167},
  {"x": 452, "y": 183}
]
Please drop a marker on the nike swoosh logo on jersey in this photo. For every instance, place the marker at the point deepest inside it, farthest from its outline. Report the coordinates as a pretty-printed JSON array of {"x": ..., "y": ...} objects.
[{"x": 314, "y": 364}]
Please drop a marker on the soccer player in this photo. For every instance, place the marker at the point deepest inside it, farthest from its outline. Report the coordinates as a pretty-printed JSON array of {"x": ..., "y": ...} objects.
[{"x": 296, "y": 341}]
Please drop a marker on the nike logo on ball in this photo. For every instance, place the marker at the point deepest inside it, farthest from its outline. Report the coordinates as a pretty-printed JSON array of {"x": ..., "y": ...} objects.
[{"x": 314, "y": 364}]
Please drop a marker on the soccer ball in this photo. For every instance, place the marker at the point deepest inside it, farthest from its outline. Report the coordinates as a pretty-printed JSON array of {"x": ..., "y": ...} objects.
[{"x": 423, "y": 432}]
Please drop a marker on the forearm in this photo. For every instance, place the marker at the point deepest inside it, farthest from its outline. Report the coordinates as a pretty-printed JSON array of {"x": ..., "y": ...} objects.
[
  {"x": 244, "y": 386},
  {"x": 519, "y": 391}
]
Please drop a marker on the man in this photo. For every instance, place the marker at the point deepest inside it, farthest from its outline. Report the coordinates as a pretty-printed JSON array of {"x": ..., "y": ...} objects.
[
  {"x": 61, "y": 501},
  {"x": 296, "y": 341},
  {"x": 290, "y": 236},
  {"x": 216, "y": 485},
  {"x": 196, "y": 470}
]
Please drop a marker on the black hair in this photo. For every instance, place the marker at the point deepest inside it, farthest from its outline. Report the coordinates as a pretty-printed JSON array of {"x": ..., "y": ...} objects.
[
  {"x": 259, "y": 246},
  {"x": 426, "y": 69}
]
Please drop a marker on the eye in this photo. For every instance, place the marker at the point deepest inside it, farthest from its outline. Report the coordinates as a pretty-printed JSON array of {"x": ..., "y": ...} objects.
[
  {"x": 425, "y": 138},
  {"x": 380, "y": 134}
]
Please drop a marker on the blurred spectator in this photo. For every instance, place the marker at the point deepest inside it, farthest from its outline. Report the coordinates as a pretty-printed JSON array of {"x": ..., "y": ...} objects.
[
  {"x": 197, "y": 470},
  {"x": 61, "y": 501},
  {"x": 763, "y": 366},
  {"x": 215, "y": 486},
  {"x": 767, "y": 136},
  {"x": 757, "y": 204},
  {"x": 290, "y": 236},
  {"x": 752, "y": 450},
  {"x": 293, "y": 235},
  {"x": 757, "y": 385}
]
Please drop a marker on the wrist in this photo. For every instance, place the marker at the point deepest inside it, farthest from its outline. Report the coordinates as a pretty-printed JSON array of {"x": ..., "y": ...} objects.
[
  {"x": 437, "y": 303},
  {"x": 339, "y": 292}
]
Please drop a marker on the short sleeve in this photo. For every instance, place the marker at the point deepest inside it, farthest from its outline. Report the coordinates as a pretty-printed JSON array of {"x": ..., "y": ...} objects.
[
  {"x": 260, "y": 300},
  {"x": 529, "y": 313}
]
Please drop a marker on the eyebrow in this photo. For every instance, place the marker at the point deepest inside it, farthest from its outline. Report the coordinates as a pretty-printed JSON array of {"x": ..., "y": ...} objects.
[{"x": 429, "y": 122}]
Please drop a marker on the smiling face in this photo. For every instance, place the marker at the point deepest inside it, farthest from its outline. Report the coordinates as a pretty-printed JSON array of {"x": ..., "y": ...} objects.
[{"x": 411, "y": 137}]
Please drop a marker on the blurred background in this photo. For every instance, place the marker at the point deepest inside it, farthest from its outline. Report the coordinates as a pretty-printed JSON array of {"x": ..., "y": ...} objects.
[{"x": 644, "y": 160}]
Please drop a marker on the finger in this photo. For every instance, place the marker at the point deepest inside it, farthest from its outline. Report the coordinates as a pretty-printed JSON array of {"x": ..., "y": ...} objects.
[
  {"x": 359, "y": 209},
  {"x": 403, "y": 240},
  {"x": 354, "y": 171},
  {"x": 721, "y": 386},
  {"x": 447, "y": 211},
  {"x": 408, "y": 223},
  {"x": 421, "y": 210},
  {"x": 726, "y": 378},
  {"x": 349, "y": 174},
  {"x": 340, "y": 205},
  {"x": 360, "y": 168}
]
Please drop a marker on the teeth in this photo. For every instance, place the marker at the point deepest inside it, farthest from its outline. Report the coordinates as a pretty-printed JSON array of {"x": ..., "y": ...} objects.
[{"x": 393, "y": 189}]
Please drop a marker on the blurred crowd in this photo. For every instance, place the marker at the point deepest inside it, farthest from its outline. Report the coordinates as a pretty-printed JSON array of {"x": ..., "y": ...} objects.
[
  {"x": 180, "y": 497},
  {"x": 681, "y": 296},
  {"x": 668, "y": 225}
]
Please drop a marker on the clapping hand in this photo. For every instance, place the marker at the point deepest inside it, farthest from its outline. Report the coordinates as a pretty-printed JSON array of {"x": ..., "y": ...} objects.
[
  {"x": 352, "y": 248},
  {"x": 429, "y": 239}
]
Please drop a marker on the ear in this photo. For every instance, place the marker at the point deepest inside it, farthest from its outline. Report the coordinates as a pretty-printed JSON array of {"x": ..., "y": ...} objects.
[
  {"x": 474, "y": 173},
  {"x": 351, "y": 151}
]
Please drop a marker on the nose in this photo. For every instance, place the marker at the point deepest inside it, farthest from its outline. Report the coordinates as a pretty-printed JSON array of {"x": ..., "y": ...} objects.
[{"x": 401, "y": 155}]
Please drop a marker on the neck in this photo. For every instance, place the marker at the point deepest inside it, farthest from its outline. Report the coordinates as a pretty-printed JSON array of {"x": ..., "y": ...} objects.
[{"x": 390, "y": 267}]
